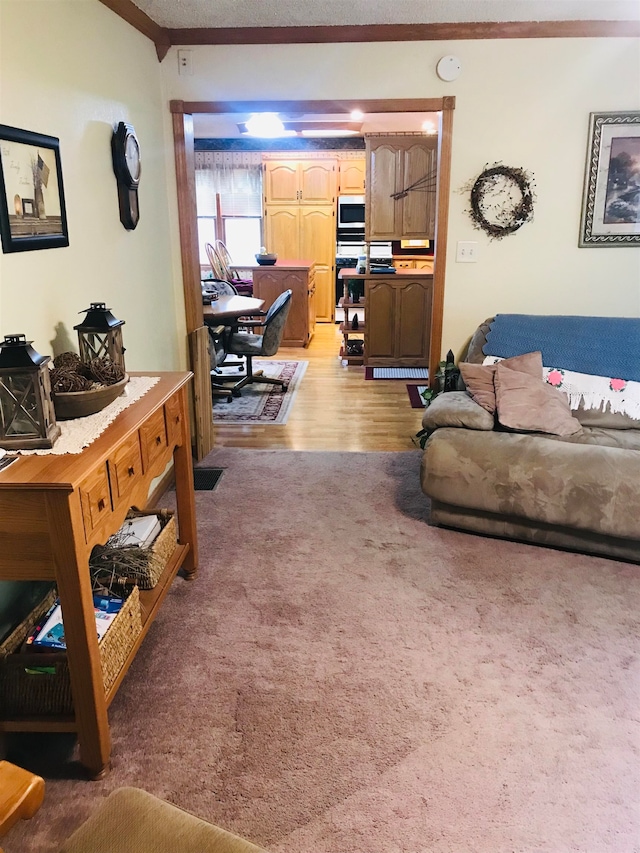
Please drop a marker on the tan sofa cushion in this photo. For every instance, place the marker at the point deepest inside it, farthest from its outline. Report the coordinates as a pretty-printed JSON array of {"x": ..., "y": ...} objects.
[
  {"x": 479, "y": 378},
  {"x": 132, "y": 821},
  {"x": 528, "y": 404}
]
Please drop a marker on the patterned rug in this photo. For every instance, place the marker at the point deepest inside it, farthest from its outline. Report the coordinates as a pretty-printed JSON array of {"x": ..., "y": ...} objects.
[
  {"x": 261, "y": 403},
  {"x": 414, "y": 392},
  {"x": 396, "y": 373}
]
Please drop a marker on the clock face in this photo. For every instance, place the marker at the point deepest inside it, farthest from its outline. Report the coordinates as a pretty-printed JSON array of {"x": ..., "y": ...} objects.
[{"x": 132, "y": 157}]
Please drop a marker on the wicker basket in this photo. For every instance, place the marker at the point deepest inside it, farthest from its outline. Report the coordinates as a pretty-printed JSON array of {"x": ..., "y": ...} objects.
[
  {"x": 24, "y": 693},
  {"x": 150, "y": 562}
]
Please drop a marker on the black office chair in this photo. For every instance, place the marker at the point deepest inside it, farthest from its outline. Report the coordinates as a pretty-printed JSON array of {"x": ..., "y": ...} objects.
[
  {"x": 218, "y": 335},
  {"x": 252, "y": 345}
]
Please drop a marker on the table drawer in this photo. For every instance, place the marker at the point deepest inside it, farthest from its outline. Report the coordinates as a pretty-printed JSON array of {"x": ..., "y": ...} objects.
[
  {"x": 95, "y": 499},
  {"x": 125, "y": 469},
  {"x": 173, "y": 417},
  {"x": 153, "y": 439}
]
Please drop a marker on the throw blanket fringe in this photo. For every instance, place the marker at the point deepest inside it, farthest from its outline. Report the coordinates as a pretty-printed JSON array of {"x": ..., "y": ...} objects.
[
  {"x": 593, "y": 392},
  {"x": 601, "y": 346}
]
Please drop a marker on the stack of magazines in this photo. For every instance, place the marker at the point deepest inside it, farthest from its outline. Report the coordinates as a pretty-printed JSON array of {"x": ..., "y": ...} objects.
[
  {"x": 49, "y": 634},
  {"x": 140, "y": 531}
]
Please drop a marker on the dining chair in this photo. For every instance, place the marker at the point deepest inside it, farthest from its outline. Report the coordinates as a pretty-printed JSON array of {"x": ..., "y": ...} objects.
[
  {"x": 267, "y": 343},
  {"x": 244, "y": 285}
]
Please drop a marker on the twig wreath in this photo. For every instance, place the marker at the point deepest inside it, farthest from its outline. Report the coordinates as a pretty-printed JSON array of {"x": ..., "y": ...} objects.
[{"x": 502, "y": 200}]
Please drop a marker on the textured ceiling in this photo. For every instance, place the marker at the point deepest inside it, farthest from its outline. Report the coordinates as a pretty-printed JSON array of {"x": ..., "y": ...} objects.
[{"x": 306, "y": 13}]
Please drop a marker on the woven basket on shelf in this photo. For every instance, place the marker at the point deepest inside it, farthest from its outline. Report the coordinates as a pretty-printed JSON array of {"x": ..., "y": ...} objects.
[
  {"x": 25, "y": 693},
  {"x": 149, "y": 563}
]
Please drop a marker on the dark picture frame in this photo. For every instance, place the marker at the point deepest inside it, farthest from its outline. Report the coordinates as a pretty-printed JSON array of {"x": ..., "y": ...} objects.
[
  {"x": 611, "y": 199},
  {"x": 32, "y": 206}
]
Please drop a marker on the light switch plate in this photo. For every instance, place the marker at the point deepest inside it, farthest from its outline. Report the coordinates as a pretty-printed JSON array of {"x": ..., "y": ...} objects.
[{"x": 466, "y": 252}]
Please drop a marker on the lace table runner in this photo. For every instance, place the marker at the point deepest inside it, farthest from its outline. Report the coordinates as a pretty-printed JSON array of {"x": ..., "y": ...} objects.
[{"x": 79, "y": 433}]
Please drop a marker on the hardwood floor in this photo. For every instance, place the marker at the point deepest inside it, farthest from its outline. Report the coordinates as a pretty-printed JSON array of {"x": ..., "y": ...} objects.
[{"x": 335, "y": 407}]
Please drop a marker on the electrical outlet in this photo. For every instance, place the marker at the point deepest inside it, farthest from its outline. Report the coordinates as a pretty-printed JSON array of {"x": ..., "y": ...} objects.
[
  {"x": 185, "y": 65},
  {"x": 466, "y": 252}
]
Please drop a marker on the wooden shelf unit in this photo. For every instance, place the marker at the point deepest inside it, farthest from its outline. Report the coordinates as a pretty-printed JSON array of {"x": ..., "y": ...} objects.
[
  {"x": 55, "y": 508},
  {"x": 347, "y": 332}
]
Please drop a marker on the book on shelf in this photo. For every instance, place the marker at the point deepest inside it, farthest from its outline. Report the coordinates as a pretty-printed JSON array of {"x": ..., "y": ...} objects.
[
  {"x": 49, "y": 635},
  {"x": 140, "y": 531}
]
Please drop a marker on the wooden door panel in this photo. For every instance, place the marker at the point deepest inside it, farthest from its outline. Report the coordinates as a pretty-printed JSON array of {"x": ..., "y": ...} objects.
[
  {"x": 379, "y": 313},
  {"x": 352, "y": 174},
  {"x": 318, "y": 180},
  {"x": 382, "y": 181},
  {"x": 413, "y": 322},
  {"x": 419, "y": 205},
  {"x": 318, "y": 243},
  {"x": 281, "y": 182},
  {"x": 282, "y": 225}
]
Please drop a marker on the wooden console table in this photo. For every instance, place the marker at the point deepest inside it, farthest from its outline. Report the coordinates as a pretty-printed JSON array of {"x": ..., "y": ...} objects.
[{"x": 55, "y": 508}]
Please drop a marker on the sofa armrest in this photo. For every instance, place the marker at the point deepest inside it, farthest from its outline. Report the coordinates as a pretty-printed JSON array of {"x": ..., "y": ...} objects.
[{"x": 456, "y": 409}]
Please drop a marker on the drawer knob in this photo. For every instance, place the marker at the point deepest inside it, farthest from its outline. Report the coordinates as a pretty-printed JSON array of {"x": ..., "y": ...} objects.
[
  {"x": 131, "y": 470},
  {"x": 158, "y": 439},
  {"x": 101, "y": 504}
]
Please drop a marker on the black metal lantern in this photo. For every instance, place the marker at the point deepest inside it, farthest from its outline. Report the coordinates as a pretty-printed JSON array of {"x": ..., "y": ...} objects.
[
  {"x": 27, "y": 416},
  {"x": 100, "y": 335}
]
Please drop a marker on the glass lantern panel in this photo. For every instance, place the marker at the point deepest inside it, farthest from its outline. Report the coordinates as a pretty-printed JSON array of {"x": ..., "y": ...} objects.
[{"x": 19, "y": 409}]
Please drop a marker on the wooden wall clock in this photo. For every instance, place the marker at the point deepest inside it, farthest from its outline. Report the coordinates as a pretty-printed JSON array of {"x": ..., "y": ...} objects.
[{"x": 125, "y": 149}]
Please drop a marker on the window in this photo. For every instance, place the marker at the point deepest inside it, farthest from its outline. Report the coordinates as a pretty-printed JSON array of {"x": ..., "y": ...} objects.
[{"x": 229, "y": 202}]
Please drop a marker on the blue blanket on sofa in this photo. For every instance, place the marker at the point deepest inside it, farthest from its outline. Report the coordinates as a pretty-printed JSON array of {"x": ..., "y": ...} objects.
[{"x": 601, "y": 346}]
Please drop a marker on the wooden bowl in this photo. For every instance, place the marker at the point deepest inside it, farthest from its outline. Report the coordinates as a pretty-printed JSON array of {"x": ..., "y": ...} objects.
[{"x": 79, "y": 404}]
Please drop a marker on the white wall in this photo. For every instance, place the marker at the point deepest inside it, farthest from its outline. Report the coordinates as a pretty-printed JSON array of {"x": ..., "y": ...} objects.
[
  {"x": 519, "y": 102},
  {"x": 73, "y": 69}
]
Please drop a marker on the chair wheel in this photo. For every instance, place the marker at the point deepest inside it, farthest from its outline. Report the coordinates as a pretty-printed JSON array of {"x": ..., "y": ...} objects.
[
  {"x": 229, "y": 398},
  {"x": 285, "y": 388}
]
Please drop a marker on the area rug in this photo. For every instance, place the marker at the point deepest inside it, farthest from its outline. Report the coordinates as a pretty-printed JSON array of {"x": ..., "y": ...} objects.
[
  {"x": 260, "y": 403},
  {"x": 341, "y": 677},
  {"x": 414, "y": 392},
  {"x": 396, "y": 373}
]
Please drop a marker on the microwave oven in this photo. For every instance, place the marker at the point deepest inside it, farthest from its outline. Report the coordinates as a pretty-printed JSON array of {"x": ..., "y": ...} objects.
[{"x": 351, "y": 211}]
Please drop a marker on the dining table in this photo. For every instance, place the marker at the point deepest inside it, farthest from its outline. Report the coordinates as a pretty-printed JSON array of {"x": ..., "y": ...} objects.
[{"x": 229, "y": 307}]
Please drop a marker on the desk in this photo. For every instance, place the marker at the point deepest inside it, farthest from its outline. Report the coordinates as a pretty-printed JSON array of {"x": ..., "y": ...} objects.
[
  {"x": 55, "y": 508},
  {"x": 227, "y": 308}
]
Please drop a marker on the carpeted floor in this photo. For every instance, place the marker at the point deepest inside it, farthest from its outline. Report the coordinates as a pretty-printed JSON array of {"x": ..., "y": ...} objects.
[{"x": 343, "y": 678}]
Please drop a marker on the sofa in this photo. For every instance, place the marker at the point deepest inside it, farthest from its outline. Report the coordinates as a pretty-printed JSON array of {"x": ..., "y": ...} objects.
[{"x": 557, "y": 460}]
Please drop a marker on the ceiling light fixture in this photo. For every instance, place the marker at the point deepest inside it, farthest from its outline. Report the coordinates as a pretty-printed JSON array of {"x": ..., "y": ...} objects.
[
  {"x": 429, "y": 127},
  {"x": 357, "y": 115},
  {"x": 266, "y": 125}
]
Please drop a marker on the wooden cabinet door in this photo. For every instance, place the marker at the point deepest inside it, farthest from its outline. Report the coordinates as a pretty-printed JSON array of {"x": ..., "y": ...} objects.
[
  {"x": 281, "y": 182},
  {"x": 268, "y": 284},
  {"x": 351, "y": 176},
  {"x": 419, "y": 205},
  {"x": 318, "y": 243},
  {"x": 317, "y": 181},
  {"x": 380, "y": 336},
  {"x": 383, "y": 178},
  {"x": 413, "y": 322},
  {"x": 282, "y": 231}
]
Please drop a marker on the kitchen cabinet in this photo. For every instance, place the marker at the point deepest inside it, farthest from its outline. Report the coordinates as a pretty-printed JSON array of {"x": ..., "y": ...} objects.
[
  {"x": 398, "y": 311},
  {"x": 394, "y": 164},
  {"x": 55, "y": 508},
  {"x": 405, "y": 262},
  {"x": 299, "y": 277},
  {"x": 351, "y": 176},
  {"x": 300, "y": 181},
  {"x": 306, "y": 231}
]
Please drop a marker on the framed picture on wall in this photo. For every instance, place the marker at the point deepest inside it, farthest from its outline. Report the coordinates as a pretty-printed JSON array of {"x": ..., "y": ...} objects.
[
  {"x": 32, "y": 210},
  {"x": 611, "y": 200}
]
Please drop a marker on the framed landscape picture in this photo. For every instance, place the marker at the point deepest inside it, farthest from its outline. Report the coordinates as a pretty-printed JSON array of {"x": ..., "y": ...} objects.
[
  {"x": 32, "y": 210},
  {"x": 611, "y": 200}
]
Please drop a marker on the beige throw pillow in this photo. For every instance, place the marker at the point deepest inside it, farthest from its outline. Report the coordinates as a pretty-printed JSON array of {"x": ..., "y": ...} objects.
[
  {"x": 528, "y": 404},
  {"x": 479, "y": 377}
]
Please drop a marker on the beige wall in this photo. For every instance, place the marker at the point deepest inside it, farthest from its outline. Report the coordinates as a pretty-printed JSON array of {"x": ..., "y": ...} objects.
[
  {"x": 521, "y": 102},
  {"x": 73, "y": 70}
]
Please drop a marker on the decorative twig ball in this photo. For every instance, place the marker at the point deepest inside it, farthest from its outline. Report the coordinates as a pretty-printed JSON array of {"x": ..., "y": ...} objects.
[
  {"x": 105, "y": 371},
  {"x": 69, "y": 360},
  {"x": 63, "y": 380}
]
